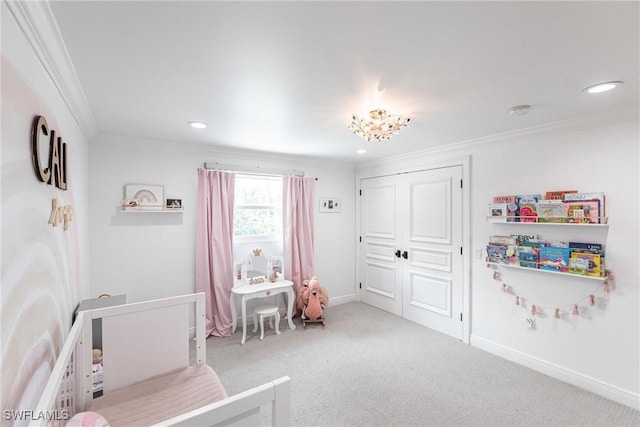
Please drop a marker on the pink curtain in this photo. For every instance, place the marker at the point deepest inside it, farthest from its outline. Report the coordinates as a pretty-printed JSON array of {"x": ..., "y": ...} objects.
[
  {"x": 298, "y": 210},
  {"x": 214, "y": 247}
]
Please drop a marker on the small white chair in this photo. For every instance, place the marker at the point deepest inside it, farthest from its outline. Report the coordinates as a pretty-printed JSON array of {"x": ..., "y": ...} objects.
[{"x": 263, "y": 311}]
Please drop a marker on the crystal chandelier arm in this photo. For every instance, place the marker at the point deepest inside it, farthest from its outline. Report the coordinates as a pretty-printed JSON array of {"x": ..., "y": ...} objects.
[{"x": 379, "y": 126}]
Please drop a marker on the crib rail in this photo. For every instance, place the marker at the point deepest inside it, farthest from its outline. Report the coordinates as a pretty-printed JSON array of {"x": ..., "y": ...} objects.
[{"x": 58, "y": 402}]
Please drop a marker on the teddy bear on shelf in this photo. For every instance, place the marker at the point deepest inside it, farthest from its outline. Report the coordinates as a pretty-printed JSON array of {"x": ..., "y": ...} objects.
[{"x": 315, "y": 300}]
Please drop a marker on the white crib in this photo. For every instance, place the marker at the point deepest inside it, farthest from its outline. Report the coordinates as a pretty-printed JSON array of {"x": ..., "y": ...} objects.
[{"x": 148, "y": 378}]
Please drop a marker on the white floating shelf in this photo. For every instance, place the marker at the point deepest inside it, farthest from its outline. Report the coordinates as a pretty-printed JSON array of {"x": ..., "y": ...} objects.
[
  {"x": 127, "y": 209},
  {"x": 578, "y": 276},
  {"x": 604, "y": 222}
]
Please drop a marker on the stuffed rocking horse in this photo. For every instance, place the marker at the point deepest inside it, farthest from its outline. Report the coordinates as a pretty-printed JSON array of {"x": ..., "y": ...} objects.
[{"x": 315, "y": 300}]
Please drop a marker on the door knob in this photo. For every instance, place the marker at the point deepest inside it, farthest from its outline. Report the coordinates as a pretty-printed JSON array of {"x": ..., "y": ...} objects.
[
  {"x": 405, "y": 255},
  {"x": 398, "y": 253}
]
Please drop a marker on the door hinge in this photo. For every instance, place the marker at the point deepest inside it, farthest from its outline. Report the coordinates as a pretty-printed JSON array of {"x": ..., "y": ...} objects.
[
  {"x": 361, "y": 192},
  {"x": 360, "y": 238},
  {"x": 460, "y": 183},
  {"x": 360, "y": 285},
  {"x": 460, "y": 250},
  {"x": 461, "y": 317}
]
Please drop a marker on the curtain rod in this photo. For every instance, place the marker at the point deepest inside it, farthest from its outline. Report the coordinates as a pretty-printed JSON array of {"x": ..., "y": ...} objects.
[{"x": 252, "y": 169}]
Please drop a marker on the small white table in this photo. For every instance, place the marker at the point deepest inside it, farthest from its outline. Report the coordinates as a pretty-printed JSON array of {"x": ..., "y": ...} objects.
[{"x": 260, "y": 290}]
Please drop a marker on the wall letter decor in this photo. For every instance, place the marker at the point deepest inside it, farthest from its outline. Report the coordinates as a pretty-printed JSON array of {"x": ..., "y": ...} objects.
[{"x": 56, "y": 171}]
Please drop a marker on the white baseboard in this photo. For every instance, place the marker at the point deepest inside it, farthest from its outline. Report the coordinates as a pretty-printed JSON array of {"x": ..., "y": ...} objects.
[
  {"x": 342, "y": 300},
  {"x": 608, "y": 391}
]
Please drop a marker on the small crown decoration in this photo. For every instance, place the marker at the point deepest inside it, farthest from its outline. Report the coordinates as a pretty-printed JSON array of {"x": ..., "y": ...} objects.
[{"x": 257, "y": 252}]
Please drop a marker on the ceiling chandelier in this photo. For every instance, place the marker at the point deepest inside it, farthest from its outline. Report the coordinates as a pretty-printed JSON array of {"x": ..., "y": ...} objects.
[{"x": 379, "y": 125}]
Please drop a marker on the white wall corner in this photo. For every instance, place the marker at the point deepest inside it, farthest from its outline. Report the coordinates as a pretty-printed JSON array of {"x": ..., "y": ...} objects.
[
  {"x": 600, "y": 388},
  {"x": 36, "y": 20}
]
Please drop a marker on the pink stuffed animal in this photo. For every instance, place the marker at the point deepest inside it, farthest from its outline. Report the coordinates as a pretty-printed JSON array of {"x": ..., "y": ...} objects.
[
  {"x": 300, "y": 298},
  {"x": 315, "y": 299}
]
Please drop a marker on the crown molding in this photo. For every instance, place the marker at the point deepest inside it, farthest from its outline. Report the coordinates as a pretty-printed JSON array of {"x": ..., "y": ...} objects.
[
  {"x": 229, "y": 154},
  {"x": 564, "y": 126},
  {"x": 38, "y": 24}
]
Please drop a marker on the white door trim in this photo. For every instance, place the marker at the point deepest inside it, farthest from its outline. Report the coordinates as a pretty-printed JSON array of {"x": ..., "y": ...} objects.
[{"x": 415, "y": 165}]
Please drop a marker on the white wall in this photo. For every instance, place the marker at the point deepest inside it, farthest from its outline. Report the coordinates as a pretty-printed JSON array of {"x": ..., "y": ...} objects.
[
  {"x": 599, "y": 349},
  {"x": 44, "y": 268},
  {"x": 147, "y": 255}
]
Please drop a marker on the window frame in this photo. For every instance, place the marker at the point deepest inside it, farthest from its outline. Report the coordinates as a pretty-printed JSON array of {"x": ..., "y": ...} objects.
[{"x": 247, "y": 238}]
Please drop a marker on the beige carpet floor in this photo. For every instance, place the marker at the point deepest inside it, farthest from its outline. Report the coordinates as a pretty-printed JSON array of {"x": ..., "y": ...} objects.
[{"x": 367, "y": 367}]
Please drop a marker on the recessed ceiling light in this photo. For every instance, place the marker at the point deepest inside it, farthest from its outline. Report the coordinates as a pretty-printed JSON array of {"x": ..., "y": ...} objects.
[
  {"x": 520, "y": 110},
  {"x": 602, "y": 87},
  {"x": 197, "y": 125},
  {"x": 362, "y": 151}
]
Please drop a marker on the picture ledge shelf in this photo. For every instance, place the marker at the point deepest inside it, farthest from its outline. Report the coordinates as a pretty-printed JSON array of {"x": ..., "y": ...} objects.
[
  {"x": 504, "y": 220},
  {"x": 538, "y": 270},
  {"x": 129, "y": 209}
]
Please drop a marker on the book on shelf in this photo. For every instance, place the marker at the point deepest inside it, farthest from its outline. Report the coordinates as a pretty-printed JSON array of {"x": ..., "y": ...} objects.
[
  {"x": 558, "y": 195},
  {"x": 521, "y": 238},
  {"x": 527, "y": 207},
  {"x": 532, "y": 244},
  {"x": 551, "y": 211},
  {"x": 586, "y": 263},
  {"x": 504, "y": 199},
  {"x": 512, "y": 207},
  {"x": 497, "y": 212},
  {"x": 512, "y": 254},
  {"x": 588, "y": 246},
  {"x": 554, "y": 258},
  {"x": 503, "y": 240},
  {"x": 581, "y": 197},
  {"x": 528, "y": 256},
  {"x": 497, "y": 254},
  {"x": 556, "y": 243},
  {"x": 583, "y": 211},
  {"x": 502, "y": 254}
]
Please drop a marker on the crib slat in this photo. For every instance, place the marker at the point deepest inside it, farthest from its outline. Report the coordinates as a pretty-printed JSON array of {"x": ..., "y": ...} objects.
[{"x": 57, "y": 402}]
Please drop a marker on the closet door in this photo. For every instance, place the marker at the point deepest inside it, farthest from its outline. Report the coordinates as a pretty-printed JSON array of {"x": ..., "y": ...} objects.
[
  {"x": 381, "y": 274},
  {"x": 411, "y": 229},
  {"x": 432, "y": 237}
]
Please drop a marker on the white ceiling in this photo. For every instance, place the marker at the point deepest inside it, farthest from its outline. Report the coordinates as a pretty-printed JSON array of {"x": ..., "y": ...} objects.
[{"x": 285, "y": 77}]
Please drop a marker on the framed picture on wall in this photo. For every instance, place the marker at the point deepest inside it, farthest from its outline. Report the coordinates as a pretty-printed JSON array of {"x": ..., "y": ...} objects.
[
  {"x": 331, "y": 205},
  {"x": 174, "y": 203},
  {"x": 146, "y": 195}
]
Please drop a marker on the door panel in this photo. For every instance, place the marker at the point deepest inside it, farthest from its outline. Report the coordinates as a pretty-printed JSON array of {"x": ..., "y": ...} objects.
[
  {"x": 381, "y": 275},
  {"x": 380, "y": 279},
  {"x": 434, "y": 259},
  {"x": 380, "y": 209},
  {"x": 430, "y": 208},
  {"x": 430, "y": 293},
  {"x": 433, "y": 274}
]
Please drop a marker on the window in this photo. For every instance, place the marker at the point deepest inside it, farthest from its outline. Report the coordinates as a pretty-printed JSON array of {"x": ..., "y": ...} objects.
[{"x": 258, "y": 208}]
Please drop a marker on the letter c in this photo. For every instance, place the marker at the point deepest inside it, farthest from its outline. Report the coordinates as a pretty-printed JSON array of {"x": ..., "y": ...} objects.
[{"x": 39, "y": 123}]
